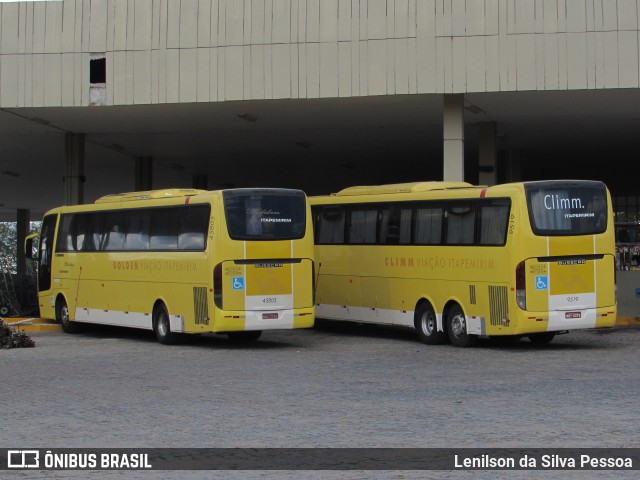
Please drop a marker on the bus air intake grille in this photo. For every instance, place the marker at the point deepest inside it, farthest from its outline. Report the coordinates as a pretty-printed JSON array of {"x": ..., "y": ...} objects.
[
  {"x": 498, "y": 304},
  {"x": 472, "y": 294},
  {"x": 200, "y": 307}
]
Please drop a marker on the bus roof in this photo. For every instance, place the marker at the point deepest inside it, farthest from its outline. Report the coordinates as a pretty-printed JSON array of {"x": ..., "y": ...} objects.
[
  {"x": 404, "y": 188},
  {"x": 150, "y": 194}
]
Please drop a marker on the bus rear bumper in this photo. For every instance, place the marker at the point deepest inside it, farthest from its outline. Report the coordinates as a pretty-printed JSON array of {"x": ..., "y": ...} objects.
[
  {"x": 562, "y": 320},
  {"x": 264, "y": 320}
]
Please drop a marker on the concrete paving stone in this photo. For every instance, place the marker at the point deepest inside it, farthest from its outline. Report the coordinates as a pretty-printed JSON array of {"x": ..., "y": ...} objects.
[{"x": 334, "y": 386}]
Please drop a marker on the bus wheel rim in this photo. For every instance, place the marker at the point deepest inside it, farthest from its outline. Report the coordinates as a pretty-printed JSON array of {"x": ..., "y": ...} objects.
[
  {"x": 428, "y": 323},
  {"x": 458, "y": 325},
  {"x": 162, "y": 325},
  {"x": 64, "y": 315}
]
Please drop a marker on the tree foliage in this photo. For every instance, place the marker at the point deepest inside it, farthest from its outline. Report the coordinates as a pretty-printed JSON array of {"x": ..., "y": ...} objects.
[{"x": 8, "y": 244}]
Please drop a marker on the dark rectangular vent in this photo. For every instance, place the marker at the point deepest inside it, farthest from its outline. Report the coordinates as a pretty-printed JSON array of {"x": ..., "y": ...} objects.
[
  {"x": 498, "y": 304},
  {"x": 200, "y": 307},
  {"x": 472, "y": 294}
]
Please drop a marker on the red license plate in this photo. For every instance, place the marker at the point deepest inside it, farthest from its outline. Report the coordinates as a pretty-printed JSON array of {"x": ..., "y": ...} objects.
[
  {"x": 572, "y": 315},
  {"x": 269, "y": 316}
]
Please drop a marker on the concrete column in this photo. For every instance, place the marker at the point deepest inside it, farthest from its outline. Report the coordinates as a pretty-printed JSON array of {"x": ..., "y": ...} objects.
[
  {"x": 144, "y": 174},
  {"x": 487, "y": 158},
  {"x": 199, "y": 182},
  {"x": 74, "y": 169},
  {"x": 22, "y": 230},
  {"x": 514, "y": 166},
  {"x": 453, "y": 138}
]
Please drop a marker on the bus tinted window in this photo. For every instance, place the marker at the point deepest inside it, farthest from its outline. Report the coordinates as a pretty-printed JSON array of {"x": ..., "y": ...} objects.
[
  {"x": 460, "y": 224},
  {"x": 265, "y": 215},
  {"x": 137, "y": 236},
  {"x": 114, "y": 231},
  {"x": 330, "y": 226},
  {"x": 571, "y": 208},
  {"x": 428, "y": 226},
  {"x": 494, "y": 217},
  {"x": 166, "y": 228},
  {"x": 362, "y": 228},
  {"x": 193, "y": 231},
  {"x": 395, "y": 226}
]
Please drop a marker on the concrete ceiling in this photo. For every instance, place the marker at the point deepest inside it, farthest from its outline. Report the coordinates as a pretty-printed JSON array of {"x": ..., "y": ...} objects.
[{"x": 317, "y": 145}]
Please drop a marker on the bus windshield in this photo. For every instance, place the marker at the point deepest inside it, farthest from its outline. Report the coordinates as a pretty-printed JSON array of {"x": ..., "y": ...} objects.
[
  {"x": 567, "y": 208},
  {"x": 265, "y": 214}
]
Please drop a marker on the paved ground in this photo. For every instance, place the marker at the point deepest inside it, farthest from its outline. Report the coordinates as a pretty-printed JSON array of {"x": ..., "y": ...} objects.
[{"x": 333, "y": 386}]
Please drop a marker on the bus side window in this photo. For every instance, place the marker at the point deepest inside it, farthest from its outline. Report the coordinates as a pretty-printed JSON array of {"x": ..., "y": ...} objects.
[
  {"x": 165, "y": 226},
  {"x": 494, "y": 216},
  {"x": 362, "y": 227},
  {"x": 395, "y": 226},
  {"x": 137, "y": 234},
  {"x": 193, "y": 231},
  {"x": 460, "y": 224},
  {"x": 64, "y": 242},
  {"x": 114, "y": 231},
  {"x": 428, "y": 226},
  {"x": 331, "y": 225}
]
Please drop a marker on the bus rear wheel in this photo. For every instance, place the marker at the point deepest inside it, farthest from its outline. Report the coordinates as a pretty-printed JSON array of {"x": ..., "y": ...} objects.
[
  {"x": 542, "y": 338},
  {"x": 457, "y": 328},
  {"x": 162, "y": 326},
  {"x": 62, "y": 316},
  {"x": 427, "y": 325}
]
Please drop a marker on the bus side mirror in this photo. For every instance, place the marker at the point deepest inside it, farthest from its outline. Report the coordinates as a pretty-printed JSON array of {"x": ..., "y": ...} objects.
[{"x": 29, "y": 251}]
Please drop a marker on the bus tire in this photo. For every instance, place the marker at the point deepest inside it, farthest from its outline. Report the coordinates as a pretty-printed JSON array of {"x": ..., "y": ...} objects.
[
  {"x": 162, "y": 326},
  {"x": 244, "y": 337},
  {"x": 62, "y": 316},
  {"x": 457, "y": 328},
  {"x": 542, "y": 338},
  {"x": 427, "y": 326}
]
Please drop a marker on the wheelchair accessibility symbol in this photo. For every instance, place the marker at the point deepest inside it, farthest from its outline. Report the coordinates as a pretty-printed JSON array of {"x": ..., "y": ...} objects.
[
  {"x": 237, "y": 283},
  {"x": 542, "y": 283}
]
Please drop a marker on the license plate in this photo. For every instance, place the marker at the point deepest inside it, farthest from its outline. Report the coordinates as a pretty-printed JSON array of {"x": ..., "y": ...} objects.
[
  {"x": 569, "y": 315},
  {"x": 269, "y": 316}
]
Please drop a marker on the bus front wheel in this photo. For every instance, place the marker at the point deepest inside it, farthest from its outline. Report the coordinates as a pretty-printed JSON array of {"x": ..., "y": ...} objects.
[
  {"x": 457, "y": 328},
  {"x": 427, "y": 325},
  {"x": 62, "y": 316},
  {"x": 162, "y": 326}
]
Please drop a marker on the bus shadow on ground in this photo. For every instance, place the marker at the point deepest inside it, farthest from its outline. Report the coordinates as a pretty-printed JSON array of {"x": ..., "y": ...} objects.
[
  {"x": 367, "y": 330},
  {"x": 208, "y": 340}
]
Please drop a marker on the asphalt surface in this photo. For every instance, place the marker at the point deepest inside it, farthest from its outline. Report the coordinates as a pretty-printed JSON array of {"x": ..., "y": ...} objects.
[{"x": 334, "y": 386}]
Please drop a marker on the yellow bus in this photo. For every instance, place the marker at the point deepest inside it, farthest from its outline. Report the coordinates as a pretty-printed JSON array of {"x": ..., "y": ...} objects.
[
  {"x": 456, "y": 261},
  {"x": 180, "y": 261}
]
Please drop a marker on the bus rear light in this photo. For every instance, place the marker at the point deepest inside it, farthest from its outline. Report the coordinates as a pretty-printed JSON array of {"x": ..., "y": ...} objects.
[
  {"x": 521, "y": 286},
  {"x": 217, "y": 285}
]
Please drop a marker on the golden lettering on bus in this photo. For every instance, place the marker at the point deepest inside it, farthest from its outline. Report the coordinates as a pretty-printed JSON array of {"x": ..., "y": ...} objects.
[
  {"x": 466, "y": 263},
  {"x": 125, "y": 265},
  {"x": 440, "y": 263},
  {"x": 156, "y": 265}
]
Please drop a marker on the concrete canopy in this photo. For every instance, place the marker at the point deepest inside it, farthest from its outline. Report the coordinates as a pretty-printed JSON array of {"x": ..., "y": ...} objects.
[{"x": 319, "y": 145}]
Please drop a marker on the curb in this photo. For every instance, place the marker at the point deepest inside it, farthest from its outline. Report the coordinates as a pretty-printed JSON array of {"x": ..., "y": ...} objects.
[{"x": 33, "y": 325}]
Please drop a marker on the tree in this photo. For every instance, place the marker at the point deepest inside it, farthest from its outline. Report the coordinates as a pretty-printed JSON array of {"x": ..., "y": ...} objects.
[{"x": 8, "y": 247}]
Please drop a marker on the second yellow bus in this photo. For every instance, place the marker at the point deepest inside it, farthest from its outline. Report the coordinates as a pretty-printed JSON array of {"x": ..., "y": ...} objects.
[{"x": 456, "y": 261}]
